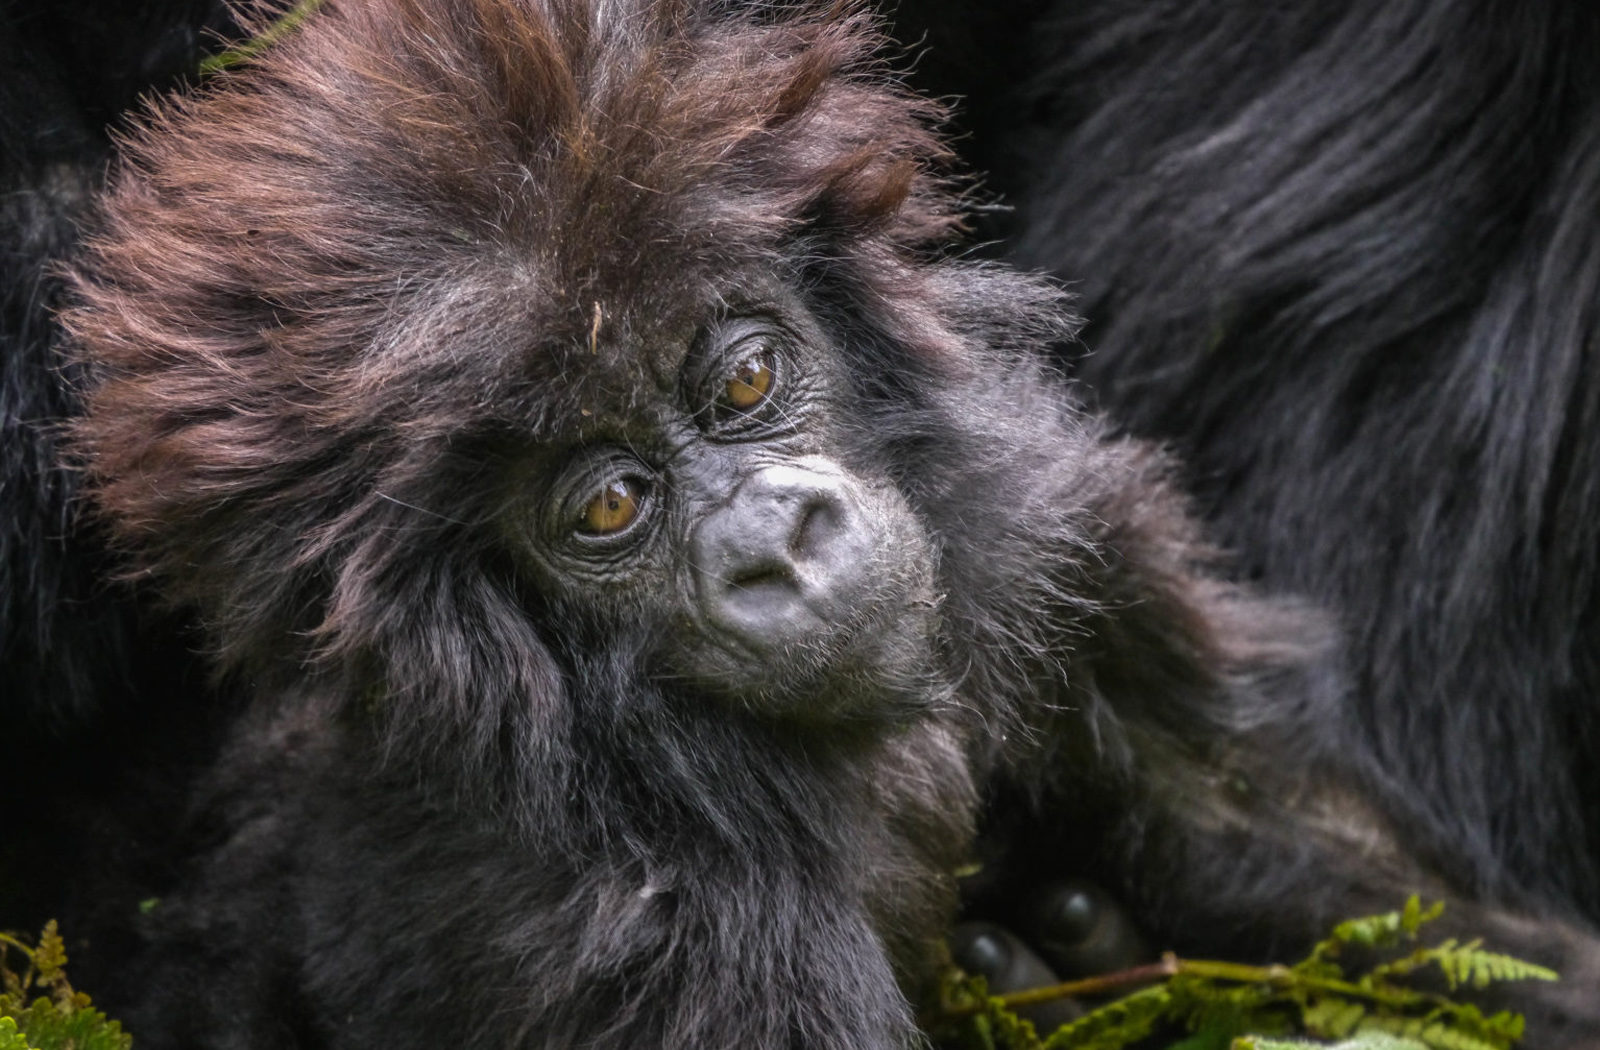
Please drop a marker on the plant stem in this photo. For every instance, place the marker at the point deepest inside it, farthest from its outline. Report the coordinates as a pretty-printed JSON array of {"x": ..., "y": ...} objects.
[
  {"x": 1109, "y": 982},
  {"x": 1170, "y": 965},
  {"x": 11, "y": 942},
  {"x": 259, "y": 43}
]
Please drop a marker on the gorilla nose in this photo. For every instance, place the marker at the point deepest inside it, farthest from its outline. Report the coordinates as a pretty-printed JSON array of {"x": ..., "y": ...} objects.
[{"x": 784, "y": 558}]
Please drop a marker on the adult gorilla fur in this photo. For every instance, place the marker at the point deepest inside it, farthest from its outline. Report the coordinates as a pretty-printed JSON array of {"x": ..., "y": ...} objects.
[
  {"x": 356, "y": 314},
  {"x": 63, "y": 83},
  {"x": 1345, "y": 259},
  {"x": 102, "y": 705}
]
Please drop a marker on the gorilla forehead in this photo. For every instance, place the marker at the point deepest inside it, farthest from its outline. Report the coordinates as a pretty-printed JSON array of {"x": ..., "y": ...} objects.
[
  {"x": 635, "y": 164},
  {"x": 562, "y": 366}
]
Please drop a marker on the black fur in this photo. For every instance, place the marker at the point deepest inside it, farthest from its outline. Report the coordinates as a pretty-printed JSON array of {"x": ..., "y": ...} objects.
[
  {"x": 104, "y": 709},
  {"x": 1344, "y": 258}
]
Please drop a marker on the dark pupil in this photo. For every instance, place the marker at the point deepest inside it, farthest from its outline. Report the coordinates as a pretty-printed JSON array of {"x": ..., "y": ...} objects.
[
  {"x": 612, "y": 509},
  {"x": 748, "y": 384}
]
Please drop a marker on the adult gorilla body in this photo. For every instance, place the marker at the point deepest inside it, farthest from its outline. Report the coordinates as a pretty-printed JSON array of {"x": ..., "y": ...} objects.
[
  {"x": 639, "y": 540},
  {"x": 103, "y": 706},
  {"x": 1344, "y": 259}
]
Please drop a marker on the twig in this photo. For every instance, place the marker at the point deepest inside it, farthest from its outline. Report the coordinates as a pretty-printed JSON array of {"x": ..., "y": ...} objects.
[
  {"x": 1109, "y": 982},
  {"x": 260, "y": 42},
  {"x": 1171, "y": 966}
]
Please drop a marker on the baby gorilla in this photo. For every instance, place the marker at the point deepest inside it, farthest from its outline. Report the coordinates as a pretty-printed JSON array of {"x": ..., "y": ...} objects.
[{"x": 640, "y": 540}]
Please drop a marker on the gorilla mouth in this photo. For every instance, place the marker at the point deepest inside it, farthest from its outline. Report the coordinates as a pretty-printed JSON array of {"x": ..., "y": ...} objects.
[{"x": 821, "y": 656}]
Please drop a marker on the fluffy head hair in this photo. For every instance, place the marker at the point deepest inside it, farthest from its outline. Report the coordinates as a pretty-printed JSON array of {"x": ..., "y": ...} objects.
[
  {"x": 378, "y": 221},
  {"x": 333, "y": 288}
]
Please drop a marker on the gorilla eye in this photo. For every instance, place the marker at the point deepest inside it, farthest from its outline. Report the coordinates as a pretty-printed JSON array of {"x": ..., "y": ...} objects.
[
  {"x": 748, "y": 385},
  {"x": 612, "y": 509},
  {"x": 740, "y": 383}
]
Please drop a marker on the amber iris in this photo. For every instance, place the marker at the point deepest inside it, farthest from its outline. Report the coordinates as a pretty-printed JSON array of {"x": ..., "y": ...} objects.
[
  {"x": 613, "y": 508},
  {"x": 749, "y": 384}
]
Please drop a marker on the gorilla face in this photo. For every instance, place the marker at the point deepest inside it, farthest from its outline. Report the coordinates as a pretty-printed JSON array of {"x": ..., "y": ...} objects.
[{"x": 717, "y": 508}]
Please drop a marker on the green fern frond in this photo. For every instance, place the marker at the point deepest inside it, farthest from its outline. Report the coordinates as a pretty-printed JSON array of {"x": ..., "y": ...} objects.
[
  {"x": 1436, "y": 1035},
  {"x": 10, "y": 1038},
  {"x": 1333, "y": 1017},
  {"x": 1469, "y": 965},
  {"x": 249, "y": 49},
  {"x": 1115, "y": 1025},
  {"x": 1370, "y": 1040},
  {"x": 1462, "y": 965},
  {"x": 1375, "y": 931},
  {"x": 1413, "y": 916},
  {"x": 59, "y": 1019},
  {"x": 1218, "y": 1003},
  {"x": 47, "y": 1026}
]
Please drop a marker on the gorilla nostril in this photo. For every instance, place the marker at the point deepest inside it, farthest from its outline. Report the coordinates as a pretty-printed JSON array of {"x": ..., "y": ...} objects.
[
  {"x": 818, "y": 521},
  {"x": 784, "y": 560}
]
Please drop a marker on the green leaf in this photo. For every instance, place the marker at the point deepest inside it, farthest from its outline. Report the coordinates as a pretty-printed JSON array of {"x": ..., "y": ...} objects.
[
  {"x": 10, "y": 1038},
  {"x": 49, "y": 1027},
  {"x": 1365, "y": 1041},
  {"x": 1206, "y": 1038},
  {"x": 1333, "y": 1017},
  {"x": 275, "y": 32},
  {"x": 1469, "y": 965},
  {"x": 1264, "y": 1007},
  {"x": 1114, "y": 1025}
]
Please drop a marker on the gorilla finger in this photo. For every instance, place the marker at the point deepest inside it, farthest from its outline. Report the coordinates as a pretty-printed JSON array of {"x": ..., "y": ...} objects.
[
  {"x": 1079, "y": 930},
  {"x": 1008, "y": 965}
]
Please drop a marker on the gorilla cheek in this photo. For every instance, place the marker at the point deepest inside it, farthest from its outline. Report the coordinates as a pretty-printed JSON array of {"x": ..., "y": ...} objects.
[{"x": 800, "y": 558}]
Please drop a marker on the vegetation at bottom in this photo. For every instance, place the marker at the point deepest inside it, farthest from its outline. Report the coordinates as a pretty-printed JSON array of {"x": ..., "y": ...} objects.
[
  {"x": 1193, "y": 1004},
  {"x": 39, "y": 1009},
  {"x": 1180, "y": 1004}
]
